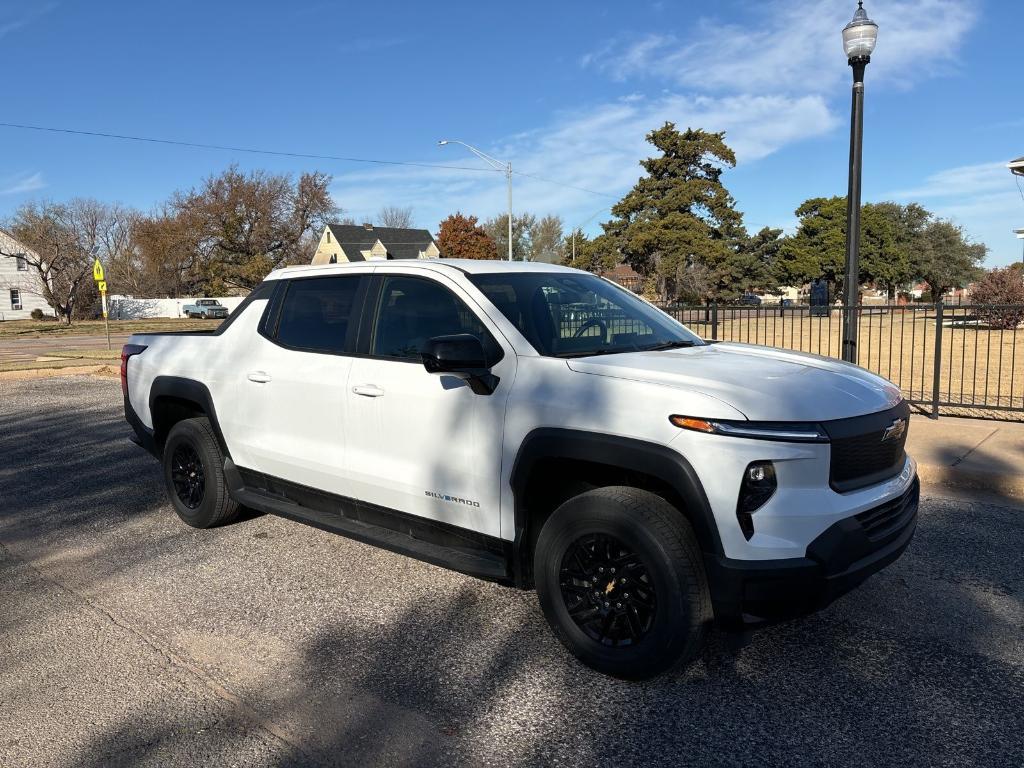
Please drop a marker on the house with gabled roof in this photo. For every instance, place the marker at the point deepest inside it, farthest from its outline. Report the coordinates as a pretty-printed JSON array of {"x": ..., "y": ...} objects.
[
  {"x": 20, "y": 284},
  {"x": 364, "y": 242}
]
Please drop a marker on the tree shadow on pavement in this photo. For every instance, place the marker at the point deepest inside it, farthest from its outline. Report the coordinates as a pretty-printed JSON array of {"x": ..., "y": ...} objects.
[{"x": 347, "y": 655}]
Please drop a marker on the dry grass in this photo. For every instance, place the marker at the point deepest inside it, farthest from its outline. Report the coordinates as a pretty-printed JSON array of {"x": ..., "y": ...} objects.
[
  {"x": 37, "y": 329},
  {"x": 979, "y": 367}
]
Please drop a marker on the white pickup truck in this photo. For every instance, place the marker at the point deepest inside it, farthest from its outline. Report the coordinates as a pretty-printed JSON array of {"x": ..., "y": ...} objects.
[{"x": 540, "y": 427}]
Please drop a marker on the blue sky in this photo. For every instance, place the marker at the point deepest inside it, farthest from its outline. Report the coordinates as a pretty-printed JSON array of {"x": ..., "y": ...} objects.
[{"x": 566, "y": 90}]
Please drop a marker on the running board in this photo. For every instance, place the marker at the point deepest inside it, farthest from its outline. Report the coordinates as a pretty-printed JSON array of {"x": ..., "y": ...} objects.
[{"x": 483, "y": 557}]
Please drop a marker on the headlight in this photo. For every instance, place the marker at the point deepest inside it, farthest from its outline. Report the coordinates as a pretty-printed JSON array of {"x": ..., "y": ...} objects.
[
  {"x": 794, "y": 432},
  {"x": 757, "y": 487}
]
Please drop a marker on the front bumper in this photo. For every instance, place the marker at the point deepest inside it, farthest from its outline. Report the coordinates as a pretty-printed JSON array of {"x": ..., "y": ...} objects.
[{"x": 748, "y": 592}]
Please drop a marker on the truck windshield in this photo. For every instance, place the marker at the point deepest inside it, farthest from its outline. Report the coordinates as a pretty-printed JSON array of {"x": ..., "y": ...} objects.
[{"x": 580, "y": 315}]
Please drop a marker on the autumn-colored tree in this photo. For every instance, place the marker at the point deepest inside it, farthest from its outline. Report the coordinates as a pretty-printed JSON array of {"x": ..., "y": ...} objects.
[
  {"x": 461, "y": 237},
  {"x": 1003, "y": 288}
]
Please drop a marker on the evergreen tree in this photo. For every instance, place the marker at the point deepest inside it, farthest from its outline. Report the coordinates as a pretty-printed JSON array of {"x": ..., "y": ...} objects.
[{"x": 679, "y": 217}]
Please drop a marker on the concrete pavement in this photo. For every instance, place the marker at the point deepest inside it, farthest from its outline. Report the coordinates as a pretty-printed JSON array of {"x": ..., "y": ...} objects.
[{"x": 970, "y": 455}]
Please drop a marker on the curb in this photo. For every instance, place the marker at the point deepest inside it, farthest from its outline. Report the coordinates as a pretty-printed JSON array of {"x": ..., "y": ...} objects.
[{"x": 1002, "y": 484}]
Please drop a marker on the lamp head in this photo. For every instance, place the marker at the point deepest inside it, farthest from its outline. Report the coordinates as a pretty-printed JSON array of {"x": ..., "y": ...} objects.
[{"x": 860, "y": 35}]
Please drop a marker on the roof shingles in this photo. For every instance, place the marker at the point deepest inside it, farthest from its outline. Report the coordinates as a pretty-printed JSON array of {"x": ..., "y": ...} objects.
[{"x": 400, "y": 243}]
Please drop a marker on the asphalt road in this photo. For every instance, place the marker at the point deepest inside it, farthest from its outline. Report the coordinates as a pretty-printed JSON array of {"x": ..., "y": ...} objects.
[
  {"x": 14, "y": 349},
  {"x": 127, "y": 638}
]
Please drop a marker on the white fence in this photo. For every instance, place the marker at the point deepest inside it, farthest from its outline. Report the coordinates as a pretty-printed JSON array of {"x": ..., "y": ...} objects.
[{"x": 131, "y": 308}]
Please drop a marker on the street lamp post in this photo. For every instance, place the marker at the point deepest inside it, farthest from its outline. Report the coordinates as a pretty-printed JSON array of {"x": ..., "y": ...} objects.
[
  {"x": 504, "y": 167},
  {"x": 859, "y": 37}
]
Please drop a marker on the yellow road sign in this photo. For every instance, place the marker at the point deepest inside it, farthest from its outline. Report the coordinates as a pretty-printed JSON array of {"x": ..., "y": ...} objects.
[
  {"x": 97, "y": 271},
  {"x": 102, "y": 286}
]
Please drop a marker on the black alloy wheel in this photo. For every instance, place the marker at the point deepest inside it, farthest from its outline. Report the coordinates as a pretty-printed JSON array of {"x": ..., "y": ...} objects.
[
  {"x": 607, "y": 590},
  {"x": 621, "y": 581},
  {"x": 188, "y": 476},
  {"x": 193, "y": 465}
]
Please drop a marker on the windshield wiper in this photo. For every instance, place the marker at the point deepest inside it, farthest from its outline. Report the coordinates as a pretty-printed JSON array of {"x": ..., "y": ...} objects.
[
  {"x": 678, "y": 344},
  {"x": 596, "y": 352}
]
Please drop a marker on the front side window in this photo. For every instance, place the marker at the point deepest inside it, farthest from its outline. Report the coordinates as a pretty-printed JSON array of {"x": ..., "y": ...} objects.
[
  {"x": 15, "y": 298},
  {"x": 567, "y": 315},
  {"x": 413, "y": 310},
  {"x": 317, "y": 313},
  {"x": 22, "y": 263}
]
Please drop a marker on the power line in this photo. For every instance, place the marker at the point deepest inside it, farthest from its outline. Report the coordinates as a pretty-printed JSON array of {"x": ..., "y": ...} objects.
[
  {"x": 280, "y": 153},
  {"x": 563, "y": 184},
  {"x": 250, "y": 150}
]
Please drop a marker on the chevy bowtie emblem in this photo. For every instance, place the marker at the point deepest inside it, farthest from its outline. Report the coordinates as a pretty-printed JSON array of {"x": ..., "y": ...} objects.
[{"x": 895, "y": 430}]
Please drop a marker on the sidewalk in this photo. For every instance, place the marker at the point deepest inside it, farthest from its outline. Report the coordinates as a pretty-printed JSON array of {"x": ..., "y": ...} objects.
[{"x": 969, "y": 454}]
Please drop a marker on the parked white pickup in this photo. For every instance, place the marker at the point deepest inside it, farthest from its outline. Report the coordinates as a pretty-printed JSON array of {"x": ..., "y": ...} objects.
[{"x": 541, "y": 427}]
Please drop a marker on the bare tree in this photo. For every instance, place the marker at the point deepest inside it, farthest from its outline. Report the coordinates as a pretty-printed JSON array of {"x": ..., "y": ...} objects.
[
  {"x": 391, "y": 216},
  {"x": 64, "y": 239},
  {"x": 238, "y": 227},
  {"x": 546, "y": 239}
]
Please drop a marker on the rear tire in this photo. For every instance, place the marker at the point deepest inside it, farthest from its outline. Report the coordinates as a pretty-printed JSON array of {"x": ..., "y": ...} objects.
[
  {"x": 621, "y": 581},
  {"x": 194, "y": 474}
]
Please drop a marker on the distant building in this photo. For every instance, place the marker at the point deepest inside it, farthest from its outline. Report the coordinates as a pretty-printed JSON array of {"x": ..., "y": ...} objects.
[
  {"x": 627, "y": 277},
  {"x": 20, "y": 286},
  {"x": 364, "y": 242}
]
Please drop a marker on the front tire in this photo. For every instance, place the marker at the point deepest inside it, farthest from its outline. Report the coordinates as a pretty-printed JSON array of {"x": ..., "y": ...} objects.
[
  {"x": 194, "y": 474},
  {"x": 621, "y": 581}
]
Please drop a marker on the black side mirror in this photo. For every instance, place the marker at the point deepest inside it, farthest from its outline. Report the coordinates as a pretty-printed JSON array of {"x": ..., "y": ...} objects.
[{"x": 461, "y": 355}]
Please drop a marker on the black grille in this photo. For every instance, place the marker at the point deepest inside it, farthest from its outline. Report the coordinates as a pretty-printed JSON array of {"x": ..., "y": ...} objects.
[
  {"x": 883, "y": 521},
  {"x": 863, "y": 452}
]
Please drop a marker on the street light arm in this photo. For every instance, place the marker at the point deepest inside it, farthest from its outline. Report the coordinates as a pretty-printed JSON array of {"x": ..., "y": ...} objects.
[
  {"x": 506, "y": 168},
  {"x": 494, "y": 162}
]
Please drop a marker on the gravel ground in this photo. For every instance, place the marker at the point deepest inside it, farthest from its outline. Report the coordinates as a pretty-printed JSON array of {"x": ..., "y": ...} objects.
[{"x": 129, "y": 639}]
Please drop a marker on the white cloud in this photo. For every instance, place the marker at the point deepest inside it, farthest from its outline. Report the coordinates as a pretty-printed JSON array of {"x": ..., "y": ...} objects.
[
  {"x": 983, "y": 198},
  {"x": 26, "y": 17},
  {"x": 766, "y": 83},
  {"x": 595, "y": 149},
  {"x": 792, "y": 47},
  {"x": 21, "y": 183},
  {"x": 963, "y": 180}
]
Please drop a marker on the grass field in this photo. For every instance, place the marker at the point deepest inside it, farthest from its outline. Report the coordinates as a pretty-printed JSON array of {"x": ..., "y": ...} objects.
[
  {"x": 980, "y": 367},
  {"x": 35, "y": 329}
]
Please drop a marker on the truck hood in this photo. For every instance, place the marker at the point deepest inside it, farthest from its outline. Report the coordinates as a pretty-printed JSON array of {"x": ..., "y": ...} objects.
[{"x": 763, "y": 383}]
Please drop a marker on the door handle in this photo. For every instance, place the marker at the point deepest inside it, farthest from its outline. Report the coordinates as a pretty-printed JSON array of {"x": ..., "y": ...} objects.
[
  {"x": 260, "y": 377},
  {"x": 368, "y": 390}
]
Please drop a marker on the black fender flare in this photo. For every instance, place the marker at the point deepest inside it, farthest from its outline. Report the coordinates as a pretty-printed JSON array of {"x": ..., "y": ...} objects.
[
  {"x": 639, "y": 456},
  {"x": 188, "y": 390}
]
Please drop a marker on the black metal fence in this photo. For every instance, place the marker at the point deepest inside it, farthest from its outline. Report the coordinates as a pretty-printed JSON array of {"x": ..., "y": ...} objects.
[{"x": 945, "y": 358}]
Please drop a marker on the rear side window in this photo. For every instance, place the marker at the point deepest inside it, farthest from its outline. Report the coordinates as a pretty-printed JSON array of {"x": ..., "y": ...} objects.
[
  {"x": 317, "y": 312},
  {"x": 413, "y": 310}
]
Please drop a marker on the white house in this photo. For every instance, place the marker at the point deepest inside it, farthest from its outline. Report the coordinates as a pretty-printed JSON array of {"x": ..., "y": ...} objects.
[
  {"x": 354, "y": 242},
  {"x": 20, "y": 287}
]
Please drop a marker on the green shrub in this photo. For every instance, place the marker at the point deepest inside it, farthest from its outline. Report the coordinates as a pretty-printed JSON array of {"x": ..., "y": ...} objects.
[{"x": 38, "y": 314}]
